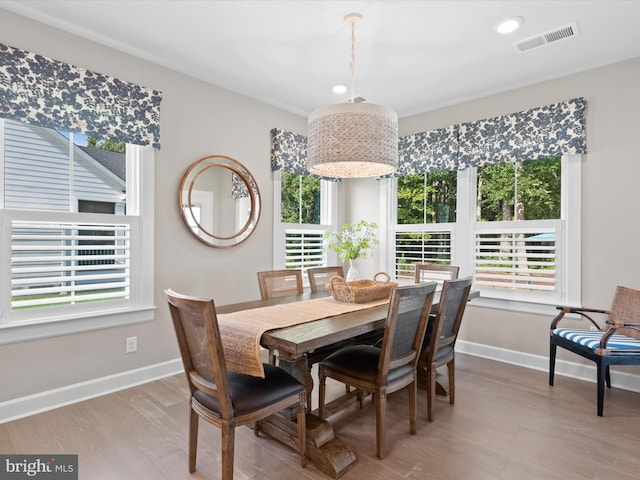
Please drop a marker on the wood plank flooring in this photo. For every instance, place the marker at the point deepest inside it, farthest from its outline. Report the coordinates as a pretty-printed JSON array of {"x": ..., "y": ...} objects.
[{"x": 507, "y": 424}]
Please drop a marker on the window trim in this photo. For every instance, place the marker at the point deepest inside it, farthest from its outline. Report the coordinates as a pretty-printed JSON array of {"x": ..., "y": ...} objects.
[{"x": 140, "y": 308}]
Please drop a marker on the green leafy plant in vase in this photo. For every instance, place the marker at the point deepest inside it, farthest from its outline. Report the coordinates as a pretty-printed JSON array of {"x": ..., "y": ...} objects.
[{"x": 354, "y": 241}]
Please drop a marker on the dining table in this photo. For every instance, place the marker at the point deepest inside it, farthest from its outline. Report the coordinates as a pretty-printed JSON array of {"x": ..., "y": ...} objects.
[{"x": 293, "y": 343}]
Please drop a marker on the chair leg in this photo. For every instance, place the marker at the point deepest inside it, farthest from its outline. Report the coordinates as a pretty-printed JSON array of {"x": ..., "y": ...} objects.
[
  {"x": 302, "y": 430},
  {"x": 413, "y": 405},
  {"x": 451, "y": 367},
  {"x": 601, "y": 372},
  {"x": 431, "y": 391},
  {"x": 552, "y": 362},
  {"x": 193, "y": 439},
  {"x": 228, "y": 443},
  {"x": 608, "y": 378},
  {"x": 380, "y": 399},
  {"x": 321, "y": 386}
]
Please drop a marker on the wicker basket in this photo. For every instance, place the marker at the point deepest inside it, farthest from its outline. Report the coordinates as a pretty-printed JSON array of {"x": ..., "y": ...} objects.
[{"x": 360, "y": 291}]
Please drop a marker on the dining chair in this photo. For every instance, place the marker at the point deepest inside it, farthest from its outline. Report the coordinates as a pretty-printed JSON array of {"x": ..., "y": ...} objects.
[
  {"x": 320, "y": 276},
  {"x": 227, "y": 399},
  {"x": 427, "y": 272},
  {"x": 392, "y": 367},
  {"x": 280, "y": 283},
  {"x": 615, "y": 343},
  {"x": 438, "y": 348}
]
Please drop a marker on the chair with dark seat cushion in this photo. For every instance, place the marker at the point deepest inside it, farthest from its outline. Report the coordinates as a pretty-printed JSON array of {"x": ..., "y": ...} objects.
[
  {"x": 227, "y": 399},
  {"x": 438, "y": 348},
  {"x": 392, "y": 367},
  {"x": 320, "y": 276},
  {"x": 615, "y": 343}
]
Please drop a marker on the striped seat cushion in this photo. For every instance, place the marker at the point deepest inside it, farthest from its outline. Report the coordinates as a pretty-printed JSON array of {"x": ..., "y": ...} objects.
[{"x": 591, "y": 339}]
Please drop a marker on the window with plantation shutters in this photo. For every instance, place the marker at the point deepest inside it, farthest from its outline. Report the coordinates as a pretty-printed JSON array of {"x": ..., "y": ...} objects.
[
  {"x": 518, "y": 262},
  {"x": 75, "y": 255},
  {"x": 420, "y": 246},
  {"x": 305, "y": 207},
  {"x": 304, "y": 248},
  {"x": 65, "y": 263}
]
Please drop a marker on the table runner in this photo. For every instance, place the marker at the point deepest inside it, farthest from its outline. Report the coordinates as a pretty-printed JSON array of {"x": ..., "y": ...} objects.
[{"x": 241, "y": 331}]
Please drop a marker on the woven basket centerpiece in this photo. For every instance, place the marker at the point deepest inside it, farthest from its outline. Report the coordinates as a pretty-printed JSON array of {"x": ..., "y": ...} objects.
[{"x": 361, "y": 291}]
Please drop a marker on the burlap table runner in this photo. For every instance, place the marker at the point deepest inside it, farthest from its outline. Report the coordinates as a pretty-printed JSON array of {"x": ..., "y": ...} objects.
[{"x": 241, "y": 331}]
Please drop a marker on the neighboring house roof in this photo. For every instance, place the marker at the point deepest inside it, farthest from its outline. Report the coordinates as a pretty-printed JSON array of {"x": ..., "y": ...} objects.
[{"x": 115, "y": 162}]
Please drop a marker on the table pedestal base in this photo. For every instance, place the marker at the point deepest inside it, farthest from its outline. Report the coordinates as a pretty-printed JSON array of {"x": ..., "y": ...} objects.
[{"x": 328, "y": 453}]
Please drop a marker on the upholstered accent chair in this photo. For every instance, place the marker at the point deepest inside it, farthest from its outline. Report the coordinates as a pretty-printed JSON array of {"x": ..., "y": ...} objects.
[{"x": 617, "y": 342}]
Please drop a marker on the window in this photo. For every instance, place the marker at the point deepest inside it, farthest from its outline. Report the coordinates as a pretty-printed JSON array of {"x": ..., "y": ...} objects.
[
  {"x": 514, "y": 226},
  {"x": 426, "y": 216},
  {"x": 72, "y": 242},
  {"x": 304, "y": 206}
]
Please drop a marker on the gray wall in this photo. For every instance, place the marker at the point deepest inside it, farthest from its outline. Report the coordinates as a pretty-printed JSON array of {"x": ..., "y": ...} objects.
[
  {"x": 610, "y": 194},
  {"x": 198, "y": 119}
]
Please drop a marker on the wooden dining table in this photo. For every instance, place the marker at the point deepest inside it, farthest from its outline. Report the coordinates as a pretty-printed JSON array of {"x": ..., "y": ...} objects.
[{"x": 292, "y": 344}]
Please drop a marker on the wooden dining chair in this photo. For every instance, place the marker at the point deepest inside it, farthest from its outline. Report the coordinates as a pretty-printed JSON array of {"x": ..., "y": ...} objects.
[
  {"x": 438, "y": 348},
  {"x": 320, "y": 276},
  {"x": 225, "y": 399},
  {"x": 280, "y": 283},
  {"x": 427, "y": 272},
  {"x": 392, "y": 367},
  {"x": 617, "y": 342}
]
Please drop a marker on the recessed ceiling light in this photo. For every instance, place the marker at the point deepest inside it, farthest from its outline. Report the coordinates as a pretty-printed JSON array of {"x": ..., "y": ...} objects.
[
  {"x": 339, "y": 88},
  {"x": 510, "y": 25}
]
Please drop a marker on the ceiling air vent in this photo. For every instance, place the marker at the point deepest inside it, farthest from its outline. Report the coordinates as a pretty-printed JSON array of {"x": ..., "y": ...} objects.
[{"x": 546, "y": 38}]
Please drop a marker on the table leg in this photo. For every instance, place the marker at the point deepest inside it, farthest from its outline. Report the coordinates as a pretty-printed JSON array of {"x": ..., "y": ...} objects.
[{"x": 328, "y": 453}]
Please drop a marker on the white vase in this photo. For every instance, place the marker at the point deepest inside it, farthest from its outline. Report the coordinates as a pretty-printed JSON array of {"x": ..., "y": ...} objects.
[{"x": 352, "y": 273}]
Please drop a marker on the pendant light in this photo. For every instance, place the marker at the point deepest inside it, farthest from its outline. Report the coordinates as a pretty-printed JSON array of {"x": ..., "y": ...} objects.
[{"x": 348, "y": 140}]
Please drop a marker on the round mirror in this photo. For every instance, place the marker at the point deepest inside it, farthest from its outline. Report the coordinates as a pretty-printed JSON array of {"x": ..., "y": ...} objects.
[{"x": 219, "y": 201}]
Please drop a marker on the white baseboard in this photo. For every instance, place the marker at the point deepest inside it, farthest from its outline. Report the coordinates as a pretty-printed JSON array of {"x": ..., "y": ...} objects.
[
  {"x": 619, "y": 379},
  {"x": 41, "y": 402},
  {"x": 59, "y": 397}
]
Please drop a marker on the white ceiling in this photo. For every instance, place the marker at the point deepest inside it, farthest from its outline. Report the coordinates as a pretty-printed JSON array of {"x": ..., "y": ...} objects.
[{"x": 412, "y": 56}]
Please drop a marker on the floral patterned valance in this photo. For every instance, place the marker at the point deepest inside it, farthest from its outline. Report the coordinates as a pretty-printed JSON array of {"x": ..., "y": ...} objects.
[
  {"x": 548, "y": 131},
  {"x": 425, "y": 152},
  {"x": 52, "y": 94},
  {"x": 289, "y": 153},
  {"x": 542, "y": 132}
]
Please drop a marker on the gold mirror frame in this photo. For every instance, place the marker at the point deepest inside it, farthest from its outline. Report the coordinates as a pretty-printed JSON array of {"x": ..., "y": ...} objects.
[{"x": 198, "y": 228}]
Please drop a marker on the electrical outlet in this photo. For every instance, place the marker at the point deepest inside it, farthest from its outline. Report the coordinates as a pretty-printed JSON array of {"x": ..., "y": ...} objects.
[{"x": 131, "y": 345}]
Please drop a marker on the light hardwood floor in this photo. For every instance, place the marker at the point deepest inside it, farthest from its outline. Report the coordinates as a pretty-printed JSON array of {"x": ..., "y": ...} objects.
[{"x": 507, "y": 424}]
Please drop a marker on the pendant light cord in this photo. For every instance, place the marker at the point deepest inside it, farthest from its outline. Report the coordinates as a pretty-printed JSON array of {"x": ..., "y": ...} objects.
[{"x": 353, "y": 60}]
